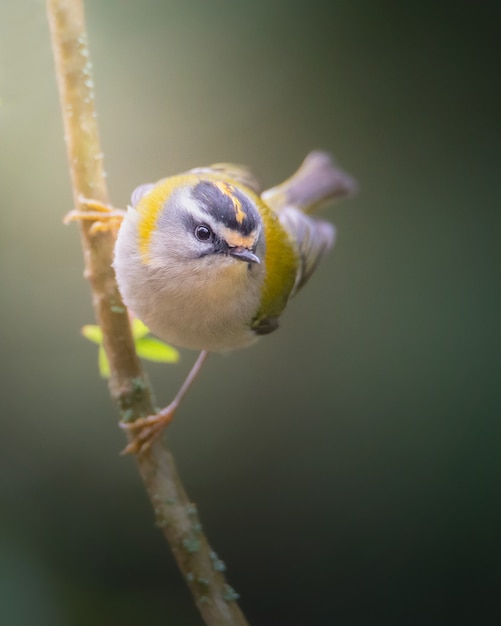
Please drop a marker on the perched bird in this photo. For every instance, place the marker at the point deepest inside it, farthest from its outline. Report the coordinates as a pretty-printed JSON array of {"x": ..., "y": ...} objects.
[{"x": 209, "y": 262}]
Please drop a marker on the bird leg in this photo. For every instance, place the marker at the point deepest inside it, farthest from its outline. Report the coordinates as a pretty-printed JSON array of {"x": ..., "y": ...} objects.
[
  {"x": 104, "y": 216},
  {"x": 152, "y": 426}
]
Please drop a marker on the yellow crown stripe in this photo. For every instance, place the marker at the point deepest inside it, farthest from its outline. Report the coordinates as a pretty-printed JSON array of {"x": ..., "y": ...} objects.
[{"x": 228, "y": 191}]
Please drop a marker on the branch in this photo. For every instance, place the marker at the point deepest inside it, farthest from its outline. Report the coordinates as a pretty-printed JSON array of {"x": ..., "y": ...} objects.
[{"x": 129, "y": 388}]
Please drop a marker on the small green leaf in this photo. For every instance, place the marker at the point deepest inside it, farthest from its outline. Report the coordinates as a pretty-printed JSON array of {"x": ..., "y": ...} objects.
[
  {"x": 93, "y": 333},
  {"x": 148, "y": 348},
  {"x": 155, "y": 350},
  {"x": 139, "y": 329},
  {"x": 104, "y": 366}
]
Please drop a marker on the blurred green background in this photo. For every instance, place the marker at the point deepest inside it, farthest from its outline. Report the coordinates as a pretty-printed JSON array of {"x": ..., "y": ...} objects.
[{"x": 347, "y": 467}]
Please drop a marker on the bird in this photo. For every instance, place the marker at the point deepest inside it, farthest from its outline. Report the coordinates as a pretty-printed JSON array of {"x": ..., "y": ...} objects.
[{"x": 209, "y": 261}]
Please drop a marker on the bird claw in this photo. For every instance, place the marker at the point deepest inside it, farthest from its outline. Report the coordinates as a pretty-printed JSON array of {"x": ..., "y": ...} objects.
[
  {"x": 149, "y": 430},
  {"x": 105, "y": 217},
  {"x": 152, "y": 426}
]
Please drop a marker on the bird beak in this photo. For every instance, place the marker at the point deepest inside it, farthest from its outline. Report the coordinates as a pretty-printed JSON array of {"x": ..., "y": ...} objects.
[{"x": 243, "y": 254}]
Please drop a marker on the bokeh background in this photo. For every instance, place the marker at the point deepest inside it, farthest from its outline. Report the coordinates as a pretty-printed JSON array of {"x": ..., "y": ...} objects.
[{"x": 347, "y": 468}]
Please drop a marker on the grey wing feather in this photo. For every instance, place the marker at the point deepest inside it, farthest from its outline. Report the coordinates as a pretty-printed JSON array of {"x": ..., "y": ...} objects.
[
  {"x": 140, "y": 192},
  {"x": 317, "y": 182},
  {"x": 313, "y": 239}
]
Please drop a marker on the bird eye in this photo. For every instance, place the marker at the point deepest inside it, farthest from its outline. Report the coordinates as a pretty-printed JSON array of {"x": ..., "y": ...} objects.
[{"x": 203, "y": 233}]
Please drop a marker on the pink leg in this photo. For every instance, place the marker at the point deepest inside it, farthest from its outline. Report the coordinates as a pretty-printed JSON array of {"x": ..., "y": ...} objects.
[{"x": 152, "y": 426}]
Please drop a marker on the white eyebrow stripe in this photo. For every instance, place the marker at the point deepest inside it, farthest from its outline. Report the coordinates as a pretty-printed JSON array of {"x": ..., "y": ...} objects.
[
  {"x": 186, "y": 203},
  {"x": 202, "y": 216}
]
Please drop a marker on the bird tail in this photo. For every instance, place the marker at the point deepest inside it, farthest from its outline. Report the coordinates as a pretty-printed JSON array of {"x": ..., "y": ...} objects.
[{"x": 317, "y": 182}]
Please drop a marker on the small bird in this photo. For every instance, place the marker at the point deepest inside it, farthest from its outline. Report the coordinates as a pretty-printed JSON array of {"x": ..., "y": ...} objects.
[{"x": 209, "y": 262}]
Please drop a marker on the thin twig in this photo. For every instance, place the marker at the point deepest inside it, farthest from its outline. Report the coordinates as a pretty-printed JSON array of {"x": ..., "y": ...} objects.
[{"x": 129, "y": 388}]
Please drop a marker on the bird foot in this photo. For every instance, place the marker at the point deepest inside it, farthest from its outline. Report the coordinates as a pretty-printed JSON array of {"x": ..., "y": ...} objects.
[
  {"x": 149, "y": 429},
  {"x": 104, "y": 216}
]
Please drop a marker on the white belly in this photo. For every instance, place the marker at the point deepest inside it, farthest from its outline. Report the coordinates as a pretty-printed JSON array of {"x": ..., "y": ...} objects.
[{"x": 208, "y": 309}]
